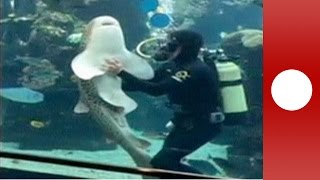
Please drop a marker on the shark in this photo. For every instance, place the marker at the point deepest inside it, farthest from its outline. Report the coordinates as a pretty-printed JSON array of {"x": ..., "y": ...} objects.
[{"x": 100, "y": 92}]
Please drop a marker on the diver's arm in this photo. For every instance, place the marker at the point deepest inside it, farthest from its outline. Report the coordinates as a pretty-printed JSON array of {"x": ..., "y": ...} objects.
[
  {"x": 149, "y": 87},
  {"x": 158, "y": 76},
  {"x": 133, "y": 83}
]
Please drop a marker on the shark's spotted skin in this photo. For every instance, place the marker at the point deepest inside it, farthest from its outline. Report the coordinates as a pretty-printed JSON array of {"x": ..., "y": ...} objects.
[
  {"x": 101, "y": 93},
  {"x": 114, "y": 123}
]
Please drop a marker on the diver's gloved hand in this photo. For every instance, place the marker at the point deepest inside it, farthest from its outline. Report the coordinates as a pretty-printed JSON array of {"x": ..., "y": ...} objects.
[{"x": 112, "y": 66}]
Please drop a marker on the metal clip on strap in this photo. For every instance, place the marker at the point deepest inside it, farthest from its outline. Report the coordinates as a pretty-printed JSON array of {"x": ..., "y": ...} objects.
[{"x": 217, "y": 117}]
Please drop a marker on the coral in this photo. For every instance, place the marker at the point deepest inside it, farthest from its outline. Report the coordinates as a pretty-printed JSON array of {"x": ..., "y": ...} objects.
[
  {"x": 54, "y": 26},
  {"x": 191, "y": 8},
  {"x": 243, "y": 40},
  {"x": 66, "y": 5},
  {"x": 15, "y": 19},
  {"x": 186, "y": 11},
  {"x": 54, "y": 18},
  {"x": 48, "y": 38},
  {"x": 75, "y": 38},
  {"x": 253, "y": 41},
  {"x": 39, "y": 74},
  {"x": 53, "y": 31},
  {"x": 243, "y": 2}
]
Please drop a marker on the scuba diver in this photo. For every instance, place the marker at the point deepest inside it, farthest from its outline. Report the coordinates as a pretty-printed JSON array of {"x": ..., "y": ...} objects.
[{"x": 192, "y": 88}]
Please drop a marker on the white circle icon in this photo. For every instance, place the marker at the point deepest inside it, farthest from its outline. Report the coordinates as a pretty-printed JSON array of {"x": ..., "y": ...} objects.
[{"x": 291, "y": 90}]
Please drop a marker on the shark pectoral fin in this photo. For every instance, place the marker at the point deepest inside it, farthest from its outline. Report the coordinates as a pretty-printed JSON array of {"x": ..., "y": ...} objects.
[
  {"x": 85, "y": 66},
  {"x": 81, "y": 108},
  {"x": 137, "y": 66},
  {"x": 109, "y": 89},
  {"x": 128, "y": 104}
]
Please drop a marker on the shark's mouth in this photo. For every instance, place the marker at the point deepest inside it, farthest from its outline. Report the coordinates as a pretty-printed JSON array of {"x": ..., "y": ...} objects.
[{"x": 108, "y": 24}]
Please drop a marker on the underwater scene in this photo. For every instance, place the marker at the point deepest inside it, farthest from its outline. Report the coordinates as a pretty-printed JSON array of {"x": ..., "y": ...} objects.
[{"x": 165, "y": 84}]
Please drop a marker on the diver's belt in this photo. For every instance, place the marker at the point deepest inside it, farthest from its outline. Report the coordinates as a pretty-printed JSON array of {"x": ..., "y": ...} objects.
[
  {"x": 231, "y": 83},
  {"x": 181, "y": 109},
  {"x": 214, "y": 117}
]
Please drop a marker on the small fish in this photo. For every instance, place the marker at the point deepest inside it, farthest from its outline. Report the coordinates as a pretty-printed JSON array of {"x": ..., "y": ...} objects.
[
  {"x": 12, "y": 8},
  {"x": 223, "y": 34},
  {"x": 220, "y": 12},
  {"x": 38, "y": 124},
  {"x": 239, "y": 28}
]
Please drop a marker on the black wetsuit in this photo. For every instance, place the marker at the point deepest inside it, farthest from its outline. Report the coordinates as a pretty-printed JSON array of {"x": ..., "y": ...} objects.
[{"x": 193, "y": 88}]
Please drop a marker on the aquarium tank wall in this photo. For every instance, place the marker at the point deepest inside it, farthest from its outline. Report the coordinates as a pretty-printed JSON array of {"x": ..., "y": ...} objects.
[{"x": 57, "y": 101}]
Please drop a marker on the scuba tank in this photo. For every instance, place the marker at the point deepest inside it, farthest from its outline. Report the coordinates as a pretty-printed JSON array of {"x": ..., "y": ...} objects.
[{"x": 232, "y": 93}]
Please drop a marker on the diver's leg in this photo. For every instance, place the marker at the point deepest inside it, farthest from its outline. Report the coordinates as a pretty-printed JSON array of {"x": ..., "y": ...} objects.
[
  {"x": 171, "y": 154},
  {"x": 170, "y": 159},
  {"x": 180, "y": 143}
]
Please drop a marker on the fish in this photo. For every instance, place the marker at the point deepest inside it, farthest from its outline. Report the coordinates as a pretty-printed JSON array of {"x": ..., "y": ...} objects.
[
  {"x": 223, "y": 35},
  {"x": 105, "y": 41},
  {"x": 39, "y": 124},
  {"x": 22, "y": 95},
  {"x": 12, "y": 8},
  {"x": 101, "y": 94}
]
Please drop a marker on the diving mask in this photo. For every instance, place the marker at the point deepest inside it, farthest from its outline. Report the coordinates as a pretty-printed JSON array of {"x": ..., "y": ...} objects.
[{"x": 166, "y": 49}]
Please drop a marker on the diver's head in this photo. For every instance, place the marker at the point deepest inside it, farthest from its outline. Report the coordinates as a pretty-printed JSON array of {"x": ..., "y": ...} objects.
[{"x": 181, "y": 45}]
